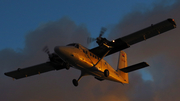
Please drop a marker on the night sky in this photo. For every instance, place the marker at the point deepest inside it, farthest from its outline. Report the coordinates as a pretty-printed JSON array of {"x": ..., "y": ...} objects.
[{"x": 28, "y": 26}]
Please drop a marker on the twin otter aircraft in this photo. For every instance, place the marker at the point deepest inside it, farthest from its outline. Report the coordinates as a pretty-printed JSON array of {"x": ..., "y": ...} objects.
[{"x": 90, "y": 61}]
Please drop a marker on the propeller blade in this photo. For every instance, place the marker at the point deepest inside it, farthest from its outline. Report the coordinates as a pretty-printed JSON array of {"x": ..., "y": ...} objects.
[
  {"x": 46, "y": 50},
  {"x": 98, "y": 39},
  {"x": 89, "y": 40},
  {"x": 103, "y": 30}
]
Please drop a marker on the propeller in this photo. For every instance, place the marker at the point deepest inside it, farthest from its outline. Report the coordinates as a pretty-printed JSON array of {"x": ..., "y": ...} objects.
[
  {"x": 46, "y": 50},
  {"x": 90, "y": 40},
  {"x": 103, "y": 30},
  {"x": 55, "y": 60}
]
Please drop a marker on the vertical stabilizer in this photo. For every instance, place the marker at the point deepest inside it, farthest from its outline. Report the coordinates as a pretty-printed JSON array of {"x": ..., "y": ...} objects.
[{"x": 122, "y": 63}]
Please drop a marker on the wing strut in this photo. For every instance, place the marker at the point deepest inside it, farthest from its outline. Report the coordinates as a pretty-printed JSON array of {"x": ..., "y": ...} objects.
[
  {"x": 103, "y": 56},
  {"x": 109, "y": 49}
]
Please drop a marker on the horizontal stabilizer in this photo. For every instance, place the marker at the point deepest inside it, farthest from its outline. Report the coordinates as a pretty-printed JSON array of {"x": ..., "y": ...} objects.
[{"x": 134, "y": 67}]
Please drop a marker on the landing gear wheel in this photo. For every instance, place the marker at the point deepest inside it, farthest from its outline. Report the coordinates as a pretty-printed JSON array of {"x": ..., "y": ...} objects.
[
  {"x": 106, "y": 73},
  {"x": 75, "y": 82}
]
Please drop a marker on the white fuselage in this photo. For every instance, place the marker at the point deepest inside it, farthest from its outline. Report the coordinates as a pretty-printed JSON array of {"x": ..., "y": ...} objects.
[{"x": 81, "y": 58}]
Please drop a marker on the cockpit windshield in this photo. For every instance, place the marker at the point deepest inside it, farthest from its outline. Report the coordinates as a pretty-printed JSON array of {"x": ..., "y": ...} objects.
[{"x": 74, "y": 44}]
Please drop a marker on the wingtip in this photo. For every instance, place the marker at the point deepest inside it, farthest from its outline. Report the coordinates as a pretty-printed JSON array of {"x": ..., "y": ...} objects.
[
  {"x": 172, "y": 21},
  {"x": 146, "y": 63},
  {"x": 5, "y": 74}
]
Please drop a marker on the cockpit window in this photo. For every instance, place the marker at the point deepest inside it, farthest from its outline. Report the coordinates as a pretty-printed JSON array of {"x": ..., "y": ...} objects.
[
  {"x": 77, "y": 46},
  {"x": 73, "y": 44}
]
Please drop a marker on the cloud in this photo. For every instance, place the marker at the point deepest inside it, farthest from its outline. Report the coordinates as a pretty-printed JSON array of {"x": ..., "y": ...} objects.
[
  {"x": 161, "y": 52},
  {"x": 61, "y": 32}
]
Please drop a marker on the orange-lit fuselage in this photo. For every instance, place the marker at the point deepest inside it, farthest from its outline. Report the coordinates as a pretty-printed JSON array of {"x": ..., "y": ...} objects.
[{"x": 82, "y": 59}]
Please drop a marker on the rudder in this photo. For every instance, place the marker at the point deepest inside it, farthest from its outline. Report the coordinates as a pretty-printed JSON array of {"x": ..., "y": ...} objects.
[{"x": 122, "y": 63}]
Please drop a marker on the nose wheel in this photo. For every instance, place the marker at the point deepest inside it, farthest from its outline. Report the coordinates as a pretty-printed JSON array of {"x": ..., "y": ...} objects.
[
  {"x": 67, "y": 66},
  {"x": 75, "y": 82}
]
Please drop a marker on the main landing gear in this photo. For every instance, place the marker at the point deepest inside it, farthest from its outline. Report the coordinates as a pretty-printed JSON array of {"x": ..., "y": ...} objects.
[
  {"x": 106, "y": 73},
  {"x": 75, "y": 82}
]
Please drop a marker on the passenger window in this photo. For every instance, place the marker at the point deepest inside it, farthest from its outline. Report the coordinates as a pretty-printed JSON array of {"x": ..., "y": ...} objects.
[{"x": 84, "y": 51}]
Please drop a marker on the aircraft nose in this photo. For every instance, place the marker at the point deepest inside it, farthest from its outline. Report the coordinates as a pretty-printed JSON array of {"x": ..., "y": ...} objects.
[
  {"x": 63, "y": 52},
  {"x": 59, "y": 50}
]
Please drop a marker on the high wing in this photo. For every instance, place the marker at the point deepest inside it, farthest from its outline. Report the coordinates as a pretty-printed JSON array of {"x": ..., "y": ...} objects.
[
  {"x": 125, "y": 42},
  {"x": 38, "y": 69}
]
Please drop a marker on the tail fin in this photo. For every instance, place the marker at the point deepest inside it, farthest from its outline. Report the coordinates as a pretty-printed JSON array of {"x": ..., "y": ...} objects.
[{"x": 122, "y": 63}]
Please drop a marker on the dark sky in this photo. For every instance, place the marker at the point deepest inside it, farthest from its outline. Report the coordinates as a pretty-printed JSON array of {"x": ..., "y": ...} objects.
[
  {"x": 20, "y": 17},
  {"x": 161, "y": 52}
]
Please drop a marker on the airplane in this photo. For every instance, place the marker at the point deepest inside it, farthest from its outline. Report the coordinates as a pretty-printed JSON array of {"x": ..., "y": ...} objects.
[{"x": 90, "y": 61}]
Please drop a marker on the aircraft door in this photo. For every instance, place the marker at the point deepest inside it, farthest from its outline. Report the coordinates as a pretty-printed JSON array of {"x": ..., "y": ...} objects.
[{"x": 104, "y": 65}]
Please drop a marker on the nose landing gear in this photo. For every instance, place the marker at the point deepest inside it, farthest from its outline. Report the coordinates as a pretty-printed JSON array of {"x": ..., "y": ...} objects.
[{"x": 75, "y": 82}]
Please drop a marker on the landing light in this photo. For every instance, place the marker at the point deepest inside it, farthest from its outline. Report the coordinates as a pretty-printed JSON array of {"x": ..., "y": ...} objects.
[{"x": 113, "y": 41}]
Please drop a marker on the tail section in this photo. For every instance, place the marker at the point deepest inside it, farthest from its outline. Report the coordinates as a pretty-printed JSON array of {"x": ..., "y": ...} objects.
[
  {"x": 122, "y": 63},
  {"x": 122, "y": 68}
]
